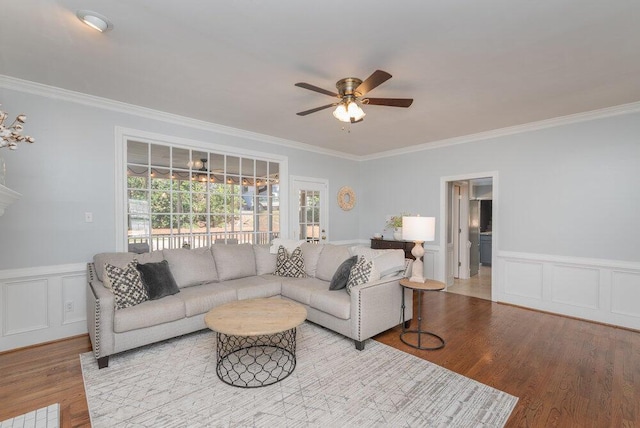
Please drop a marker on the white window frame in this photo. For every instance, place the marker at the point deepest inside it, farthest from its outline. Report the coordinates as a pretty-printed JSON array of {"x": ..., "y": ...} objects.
[{"x": 123, "y": 135}]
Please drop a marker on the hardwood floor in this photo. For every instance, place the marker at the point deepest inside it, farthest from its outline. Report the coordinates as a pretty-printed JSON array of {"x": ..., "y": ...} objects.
[
  {"x": 38, "y": 376},
  {"x": 565, "y": 372}
]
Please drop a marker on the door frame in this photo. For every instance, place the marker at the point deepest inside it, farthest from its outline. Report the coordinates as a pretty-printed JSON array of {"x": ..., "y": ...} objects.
[
  {"x": 294, "y": 224},
  {"x": 444, "y": 215}
]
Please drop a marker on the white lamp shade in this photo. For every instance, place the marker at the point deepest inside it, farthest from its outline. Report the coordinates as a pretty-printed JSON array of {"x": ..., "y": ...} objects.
[{"x": 418, "y": 228}]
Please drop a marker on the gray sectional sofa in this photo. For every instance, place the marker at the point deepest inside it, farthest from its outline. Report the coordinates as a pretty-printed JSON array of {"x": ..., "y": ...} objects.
[{"x": 208, "y": 277}]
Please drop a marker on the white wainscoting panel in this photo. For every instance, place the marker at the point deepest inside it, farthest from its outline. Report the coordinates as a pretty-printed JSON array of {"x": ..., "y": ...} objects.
[
  {"x": 577, "y": 286},
  {"x": 606, "y": 291},
  {"x": 33, "y": 304},
  {"x": 523, "y": 278},
  {"x": 73, "y": 293},
  {"x": 25, "y": 306},
  {"x": 625, "y": 293}
]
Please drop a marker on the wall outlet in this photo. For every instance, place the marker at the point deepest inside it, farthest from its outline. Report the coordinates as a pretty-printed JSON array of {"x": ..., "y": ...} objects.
[{"x": 68, "y": 306}]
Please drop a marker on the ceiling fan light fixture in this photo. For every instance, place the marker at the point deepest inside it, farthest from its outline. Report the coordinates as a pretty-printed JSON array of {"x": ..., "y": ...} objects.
[{"x": 350, "y": 113}]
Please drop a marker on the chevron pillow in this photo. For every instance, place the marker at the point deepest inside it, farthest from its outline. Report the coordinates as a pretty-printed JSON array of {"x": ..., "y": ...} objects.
[
  {"x": 292, "y": 265},
  {"x": 126, "y": 284},
  {"x": 360, "y": 273}
]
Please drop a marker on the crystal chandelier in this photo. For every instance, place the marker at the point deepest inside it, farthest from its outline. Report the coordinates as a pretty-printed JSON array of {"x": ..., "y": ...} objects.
[{"x": 11, "y": 135}]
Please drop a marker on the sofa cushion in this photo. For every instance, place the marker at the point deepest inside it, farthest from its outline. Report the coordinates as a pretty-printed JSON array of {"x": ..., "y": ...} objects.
[
  {"x": 265, "y": 261},
  {"x": 330, "y": 259},
  {"x": 290, "y": 265},
  {"x": 157, "y": 279},
  {"x": 361, "y": 273},
  {"x": 387, "y": 262},
  {"x": 234, "y": 261},
  {"x": 148, "y": 314},
  {"x": 191, "y": 267},
  {"x": 126, "y": 284},
  {"x": 254, "y": 287},
  {"x": 289, "y": 244},
  {"x": 340, "y": 278},
  {"x": 311, "y": 253},
  {"x": 121, "y": 260},
  {"x": 301, "y": 289},
  {"x": 200, "y": 299},
  {"x": 336, "y": 303}
]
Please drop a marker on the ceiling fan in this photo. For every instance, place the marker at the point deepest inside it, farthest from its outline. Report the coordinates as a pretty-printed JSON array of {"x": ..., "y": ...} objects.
[{"x": 351, "y": 94}]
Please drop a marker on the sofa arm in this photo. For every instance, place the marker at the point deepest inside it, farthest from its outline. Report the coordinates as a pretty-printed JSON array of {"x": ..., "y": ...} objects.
[
  {"x": 100, "y": 313},
  {"x": 377, "y": 306}
]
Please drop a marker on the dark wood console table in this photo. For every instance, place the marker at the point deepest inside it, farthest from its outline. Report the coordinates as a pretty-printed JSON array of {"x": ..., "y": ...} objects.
[{"x": 387, "y": 244}]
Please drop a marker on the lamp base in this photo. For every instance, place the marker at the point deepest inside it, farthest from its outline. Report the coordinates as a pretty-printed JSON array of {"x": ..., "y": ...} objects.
[{"x": 418, "y": 266}]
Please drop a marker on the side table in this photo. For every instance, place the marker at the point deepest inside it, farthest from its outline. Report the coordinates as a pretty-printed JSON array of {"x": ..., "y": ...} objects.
[{"x": 420, "y": 287}]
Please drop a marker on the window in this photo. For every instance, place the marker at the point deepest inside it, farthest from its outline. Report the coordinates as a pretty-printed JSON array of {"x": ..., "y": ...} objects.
[{"x": 183, "y": 197}]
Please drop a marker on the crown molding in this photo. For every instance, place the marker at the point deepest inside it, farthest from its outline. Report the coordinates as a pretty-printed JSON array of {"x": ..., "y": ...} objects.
[
  {"x": 40, "y": 89},
  {"x": 14, "y": 83},
  {"x": 511, "y": 130}
]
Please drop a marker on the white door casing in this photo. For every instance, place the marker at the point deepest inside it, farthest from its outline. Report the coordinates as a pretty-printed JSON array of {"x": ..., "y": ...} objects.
[{"x": 309, "y": 213}]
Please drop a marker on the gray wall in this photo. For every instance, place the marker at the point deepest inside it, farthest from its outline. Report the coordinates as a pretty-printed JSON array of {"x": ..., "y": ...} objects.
[
  {"x": 571, "y": 190},
  {"x": 70, "y": 170}
]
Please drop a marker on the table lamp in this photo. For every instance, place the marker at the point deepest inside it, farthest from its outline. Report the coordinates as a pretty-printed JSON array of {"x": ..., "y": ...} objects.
[{"x": 418, "y": 229}]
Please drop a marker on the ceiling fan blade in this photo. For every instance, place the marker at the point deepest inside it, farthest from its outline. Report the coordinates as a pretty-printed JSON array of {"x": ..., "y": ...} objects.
[
  {"x": 377, "y": 78},
  {"x": 391, "y": 102},
  {"x": 316, "y": 89},
  {"x": 313, "y": 110}
]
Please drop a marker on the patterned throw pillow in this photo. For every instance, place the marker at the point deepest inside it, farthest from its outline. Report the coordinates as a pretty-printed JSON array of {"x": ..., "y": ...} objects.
[
  {"x": 360, "y": 273},
  {"x": 292, "y": 265},
  {"x": 126, "y": 284}
]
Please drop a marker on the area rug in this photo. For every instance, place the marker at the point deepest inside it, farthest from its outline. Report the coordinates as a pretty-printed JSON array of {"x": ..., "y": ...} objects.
[{"x": 174, "y": 384}]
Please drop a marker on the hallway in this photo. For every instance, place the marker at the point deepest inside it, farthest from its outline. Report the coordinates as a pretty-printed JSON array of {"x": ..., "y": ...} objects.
[{"x": 477, "y": 286}]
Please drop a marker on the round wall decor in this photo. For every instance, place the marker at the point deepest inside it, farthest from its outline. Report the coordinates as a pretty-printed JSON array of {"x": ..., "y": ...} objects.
[{"x": 346, "y": 198}]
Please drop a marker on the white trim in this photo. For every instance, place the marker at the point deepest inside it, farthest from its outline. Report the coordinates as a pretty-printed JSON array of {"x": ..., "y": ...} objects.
[
  {"x": 122, "y": 135},
  {"x": 592, "y": 289},
  {"x": 324, "y": 214},
  {"x": 16, "y": 84},
  {"x": 495, "y": 242},
  {"x": 42, "y": 271},
  {"x": 58, "y": 324},
  {"x": 121, "y": 107},
  {"x": 511, "y": 130},
  {"x": 570, "y": 260}
]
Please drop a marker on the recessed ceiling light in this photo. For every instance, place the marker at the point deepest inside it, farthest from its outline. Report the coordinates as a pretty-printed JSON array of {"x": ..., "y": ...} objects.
[{"x": 94, "y": 20}]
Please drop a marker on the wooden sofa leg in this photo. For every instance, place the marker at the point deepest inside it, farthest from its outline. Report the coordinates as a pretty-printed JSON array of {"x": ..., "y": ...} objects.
[
  {"x": 359, "y": 345},
  {"x": 103, "y": 362}
]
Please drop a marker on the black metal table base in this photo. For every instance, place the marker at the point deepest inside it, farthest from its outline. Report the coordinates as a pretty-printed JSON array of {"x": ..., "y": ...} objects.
[
  {"x": 255, "y": 361},
  {"x": 419, "y": 332}
]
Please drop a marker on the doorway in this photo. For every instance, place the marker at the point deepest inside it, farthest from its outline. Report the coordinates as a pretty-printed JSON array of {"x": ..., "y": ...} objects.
[
  {"x": 309, "y": 210},
  {"x": 469, "y": 208}
]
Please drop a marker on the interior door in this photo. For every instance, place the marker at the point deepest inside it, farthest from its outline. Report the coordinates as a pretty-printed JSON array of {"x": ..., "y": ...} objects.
[
  {"x": 309, "y": 209},
  {"x": 474, "y": 237}
]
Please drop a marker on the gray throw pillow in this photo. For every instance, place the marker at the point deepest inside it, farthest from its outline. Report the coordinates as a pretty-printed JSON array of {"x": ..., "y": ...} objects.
[
  {"x": 158, "y": 280},
  {"x": 340, "y": 278}
]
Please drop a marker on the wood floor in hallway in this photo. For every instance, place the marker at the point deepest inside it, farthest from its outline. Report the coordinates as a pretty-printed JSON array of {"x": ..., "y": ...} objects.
[
  {"x": 565, "y": 372},
  {"x": 477, "y": 286}
]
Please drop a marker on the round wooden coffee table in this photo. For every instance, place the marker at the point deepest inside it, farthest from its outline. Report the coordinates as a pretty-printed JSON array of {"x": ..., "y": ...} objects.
[{"x": 256, "y": 340}]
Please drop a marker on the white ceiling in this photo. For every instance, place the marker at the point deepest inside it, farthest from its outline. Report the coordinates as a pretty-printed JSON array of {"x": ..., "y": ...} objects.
[{"x": 470, "y": 65}]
